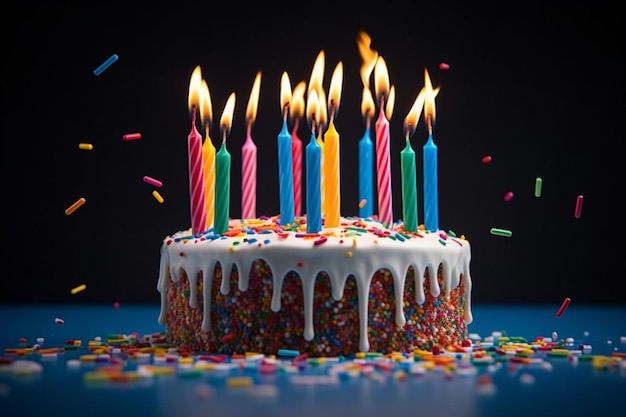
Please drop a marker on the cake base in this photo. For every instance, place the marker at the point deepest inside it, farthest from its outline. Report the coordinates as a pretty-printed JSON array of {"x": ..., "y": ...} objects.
[{"x": 242, "y": 321}]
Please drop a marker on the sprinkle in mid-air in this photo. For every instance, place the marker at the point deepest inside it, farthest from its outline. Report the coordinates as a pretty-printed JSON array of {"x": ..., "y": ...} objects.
[
  {"x": 152, "y": 181},
  {"x": 579, "y": 207},
  {"x": 443, "y": 66},
  {"x": 508, "y": 196},
  {"x": 486, "y": 159},
  {"x": 85, "y": 146},
  {"x": 131, "y": 136},
  {"x": 500, "y": 232},
  {"x": 106, "y": 64},
  {"x": 157, "y": 196},
  {"x": 71, "y": 209},
  {"x": 563, "y": 307},
  {"x": 59, "y": 321},
  {"x": 76, "y": 290},
  {"x": 538, "y": 183}
]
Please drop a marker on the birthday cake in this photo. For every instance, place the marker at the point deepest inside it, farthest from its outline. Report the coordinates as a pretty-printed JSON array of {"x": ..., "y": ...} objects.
[{"x": 263, "y": 287}]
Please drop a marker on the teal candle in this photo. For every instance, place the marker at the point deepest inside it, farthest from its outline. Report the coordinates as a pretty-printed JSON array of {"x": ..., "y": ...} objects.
[
  {"x": 313, "y": 186},
  {"x": 431, "y": 198},
  {"x": 222, "y": 190},
  {"x": 285, "y": 175},
  {"x": 366, "y": 176},
  {"x": 409, "y": 188}
]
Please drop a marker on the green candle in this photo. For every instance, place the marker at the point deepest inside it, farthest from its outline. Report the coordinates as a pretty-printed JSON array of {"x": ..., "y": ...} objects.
[
  {"x": 409, "y": 188},
  {"x": 222, "y": 189}
]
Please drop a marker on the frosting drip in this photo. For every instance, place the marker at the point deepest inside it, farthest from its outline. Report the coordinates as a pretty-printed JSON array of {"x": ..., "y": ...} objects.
[{"x": 360, "y": 247}]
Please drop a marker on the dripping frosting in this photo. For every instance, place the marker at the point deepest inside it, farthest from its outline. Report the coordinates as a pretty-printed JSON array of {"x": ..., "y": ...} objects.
[{"x": 359, "y": 247}]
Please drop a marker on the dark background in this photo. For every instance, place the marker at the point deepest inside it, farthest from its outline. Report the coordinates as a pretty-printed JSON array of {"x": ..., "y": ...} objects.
[{"x": 538, "y": 89}]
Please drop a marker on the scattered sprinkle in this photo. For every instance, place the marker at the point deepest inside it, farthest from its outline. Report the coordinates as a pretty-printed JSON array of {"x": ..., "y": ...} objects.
[
  {"x": 486, "y": 159},
  {"x": 78, "y": 289},
  {"x": 443, "y": 66},
  {"x": 131, "y": 136},
  {"x": 500, "y": 232},
  {"x": 152, "y": 181},
  {"x": 106, "y": 64},
  {"x": 538, "y": 182},
  {"x": 71, "y": 209},
  {"x": 362, "y": 203},
  {"x": 85, "y": 146},
  {"x": 157, "y": 196},
  {"x": 579, "y": 206},
  {"x": 508, "y": 196},
  {"x": 59, "y": 321},
  {"x": 116, "y": 305},
  {"x": 563, "y": 307}
]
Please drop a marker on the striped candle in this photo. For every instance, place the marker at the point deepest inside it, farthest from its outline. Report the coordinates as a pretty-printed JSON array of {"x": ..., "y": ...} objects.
[
  {"x": 196, "y": 178},
  {"x": 296, "y": 157},
  {"x": 248, "y": 178},
  {"x": 383, "y": 167}
]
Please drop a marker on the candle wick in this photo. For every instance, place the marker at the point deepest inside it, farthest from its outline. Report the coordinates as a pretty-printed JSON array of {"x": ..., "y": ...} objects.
[
  {"x": 429, "y": 122},
  {"x": 285, "y": 112},
  {"x": 223, "y": 135},
  {"x": 249, "y": 130}
]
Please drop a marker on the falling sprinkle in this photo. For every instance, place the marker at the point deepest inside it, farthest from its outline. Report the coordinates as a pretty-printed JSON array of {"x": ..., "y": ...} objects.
[
  {"x": 59, "y": 321},
  {"x": 116, "y": 305},
  {"x": 579, "y": 206},
  {"x": 157, "y": 196},
  {"x": 78, "y": 289},
  {"x": 508, "y": 196},
  {"x": 563, "y": 307},
  {"x": 152, "y": 181},
  {"x": 131, "y": 136},
  {"x": 500, "y": 232},
  {"x": 85, "y": 146},
  {"x": 106, "y": 64},
  {"x": 362, "y": 203},
  {"x": 486, "y": 159},
  {"x": 538, "y": 182},
  {"x": 443, "y": 66},
  {"x": 71, "y": 209}
]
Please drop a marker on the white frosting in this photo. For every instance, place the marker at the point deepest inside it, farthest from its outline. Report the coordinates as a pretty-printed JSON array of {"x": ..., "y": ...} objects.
[{"x": 341, "y": 255}]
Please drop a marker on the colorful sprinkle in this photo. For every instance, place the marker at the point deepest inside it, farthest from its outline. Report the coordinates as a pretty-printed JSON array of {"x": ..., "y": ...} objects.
[
  {"x": 579, "y": 206},
  {"x": 85, "y": 146},
  {"x": 157, "y": 196},
  {"x": 362, "y": 203},
  {"x": 563, "y": 307},
  {"x": 71, "y": 209},
  {"x": 106, "y": 64},
  {"x": 486, "y": 159},
  {"x": 152, "y": 181},
  {"x": 500, "y": 232},
  {"x": 59, "y": 321},
  {"x": 78, "y": 289},
  {"x": 538, "y": 183},
  {"x": 508, "y": 196},
  {"x": 443, "y": 66},
  {"x": 131, "y": 136}
]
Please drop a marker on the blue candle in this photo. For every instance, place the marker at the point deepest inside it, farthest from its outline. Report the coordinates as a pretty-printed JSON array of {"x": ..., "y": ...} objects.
[
  {"x": 431, "y": 198},
  {"x": 366, "y": 177},
  {"x": 285, "y": 175},
  {"x": 313, "y": 183}
]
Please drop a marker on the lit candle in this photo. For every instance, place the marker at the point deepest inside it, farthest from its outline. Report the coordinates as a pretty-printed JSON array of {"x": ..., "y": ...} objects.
[
  {"x": 296, "y": 111},
  {"x": 407, "y": 162},
  {"x": 196, "y": 169},
  {"x": 366, "y": 146},
  {"x": 208, "y": 155},
  {"x": 285, "y": 166},
  {"x": 431, "y": 198},
  {"x": 366, "y": 159},
  {"x": 383, "y": 161},
  {"x": 315, "y": 84},
  {"x": 222, "y": 177},
  {"x": 313, "y": 166},
  {"x": 248, "y": 156},
  {"x": 331, "y": 152}
]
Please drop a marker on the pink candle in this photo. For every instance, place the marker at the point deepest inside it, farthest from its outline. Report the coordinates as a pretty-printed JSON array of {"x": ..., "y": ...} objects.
[
  {"x": 248, "y": 156},
  {"x": 385, "y": 213},
  {"x": 248, "y": 178},
  {"x": 296, "y": 150},
  {"x": 196, "y": 178}
]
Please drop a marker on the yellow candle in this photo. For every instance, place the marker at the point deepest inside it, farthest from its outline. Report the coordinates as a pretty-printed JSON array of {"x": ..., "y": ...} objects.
[
  {"x": 332, "y": 199},
  {"x": 208, "y": 155}
]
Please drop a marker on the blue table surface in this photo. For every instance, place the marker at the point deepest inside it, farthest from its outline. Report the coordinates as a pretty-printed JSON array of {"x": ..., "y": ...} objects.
[{"x": 566, "y": 388}]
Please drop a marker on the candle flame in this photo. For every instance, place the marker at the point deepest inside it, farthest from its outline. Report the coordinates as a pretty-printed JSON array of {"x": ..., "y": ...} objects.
[
  {"x": 253, "y": 101},
  {"x": 429, "y": 101},
  {"x": 195, "y": 85},
  {"x": 226, "y": 120},
  {"x": 412, "y": 119},
  {"x": 285, "y": 91},
  {"x": 390, "y": 103},
  {"x": 381, "y": 79},
  {"x": 296, "y": 109},
  {"x": 312, "y": 109},
  {"x": 334, "y": 94},
  {"x": 368, "y": 56},
  {"x": 367, "y": 103},
  {"x": 322, "y": 114},
  {"x": 206, "y": 109},
  {"x": 317, "y": 74}
]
